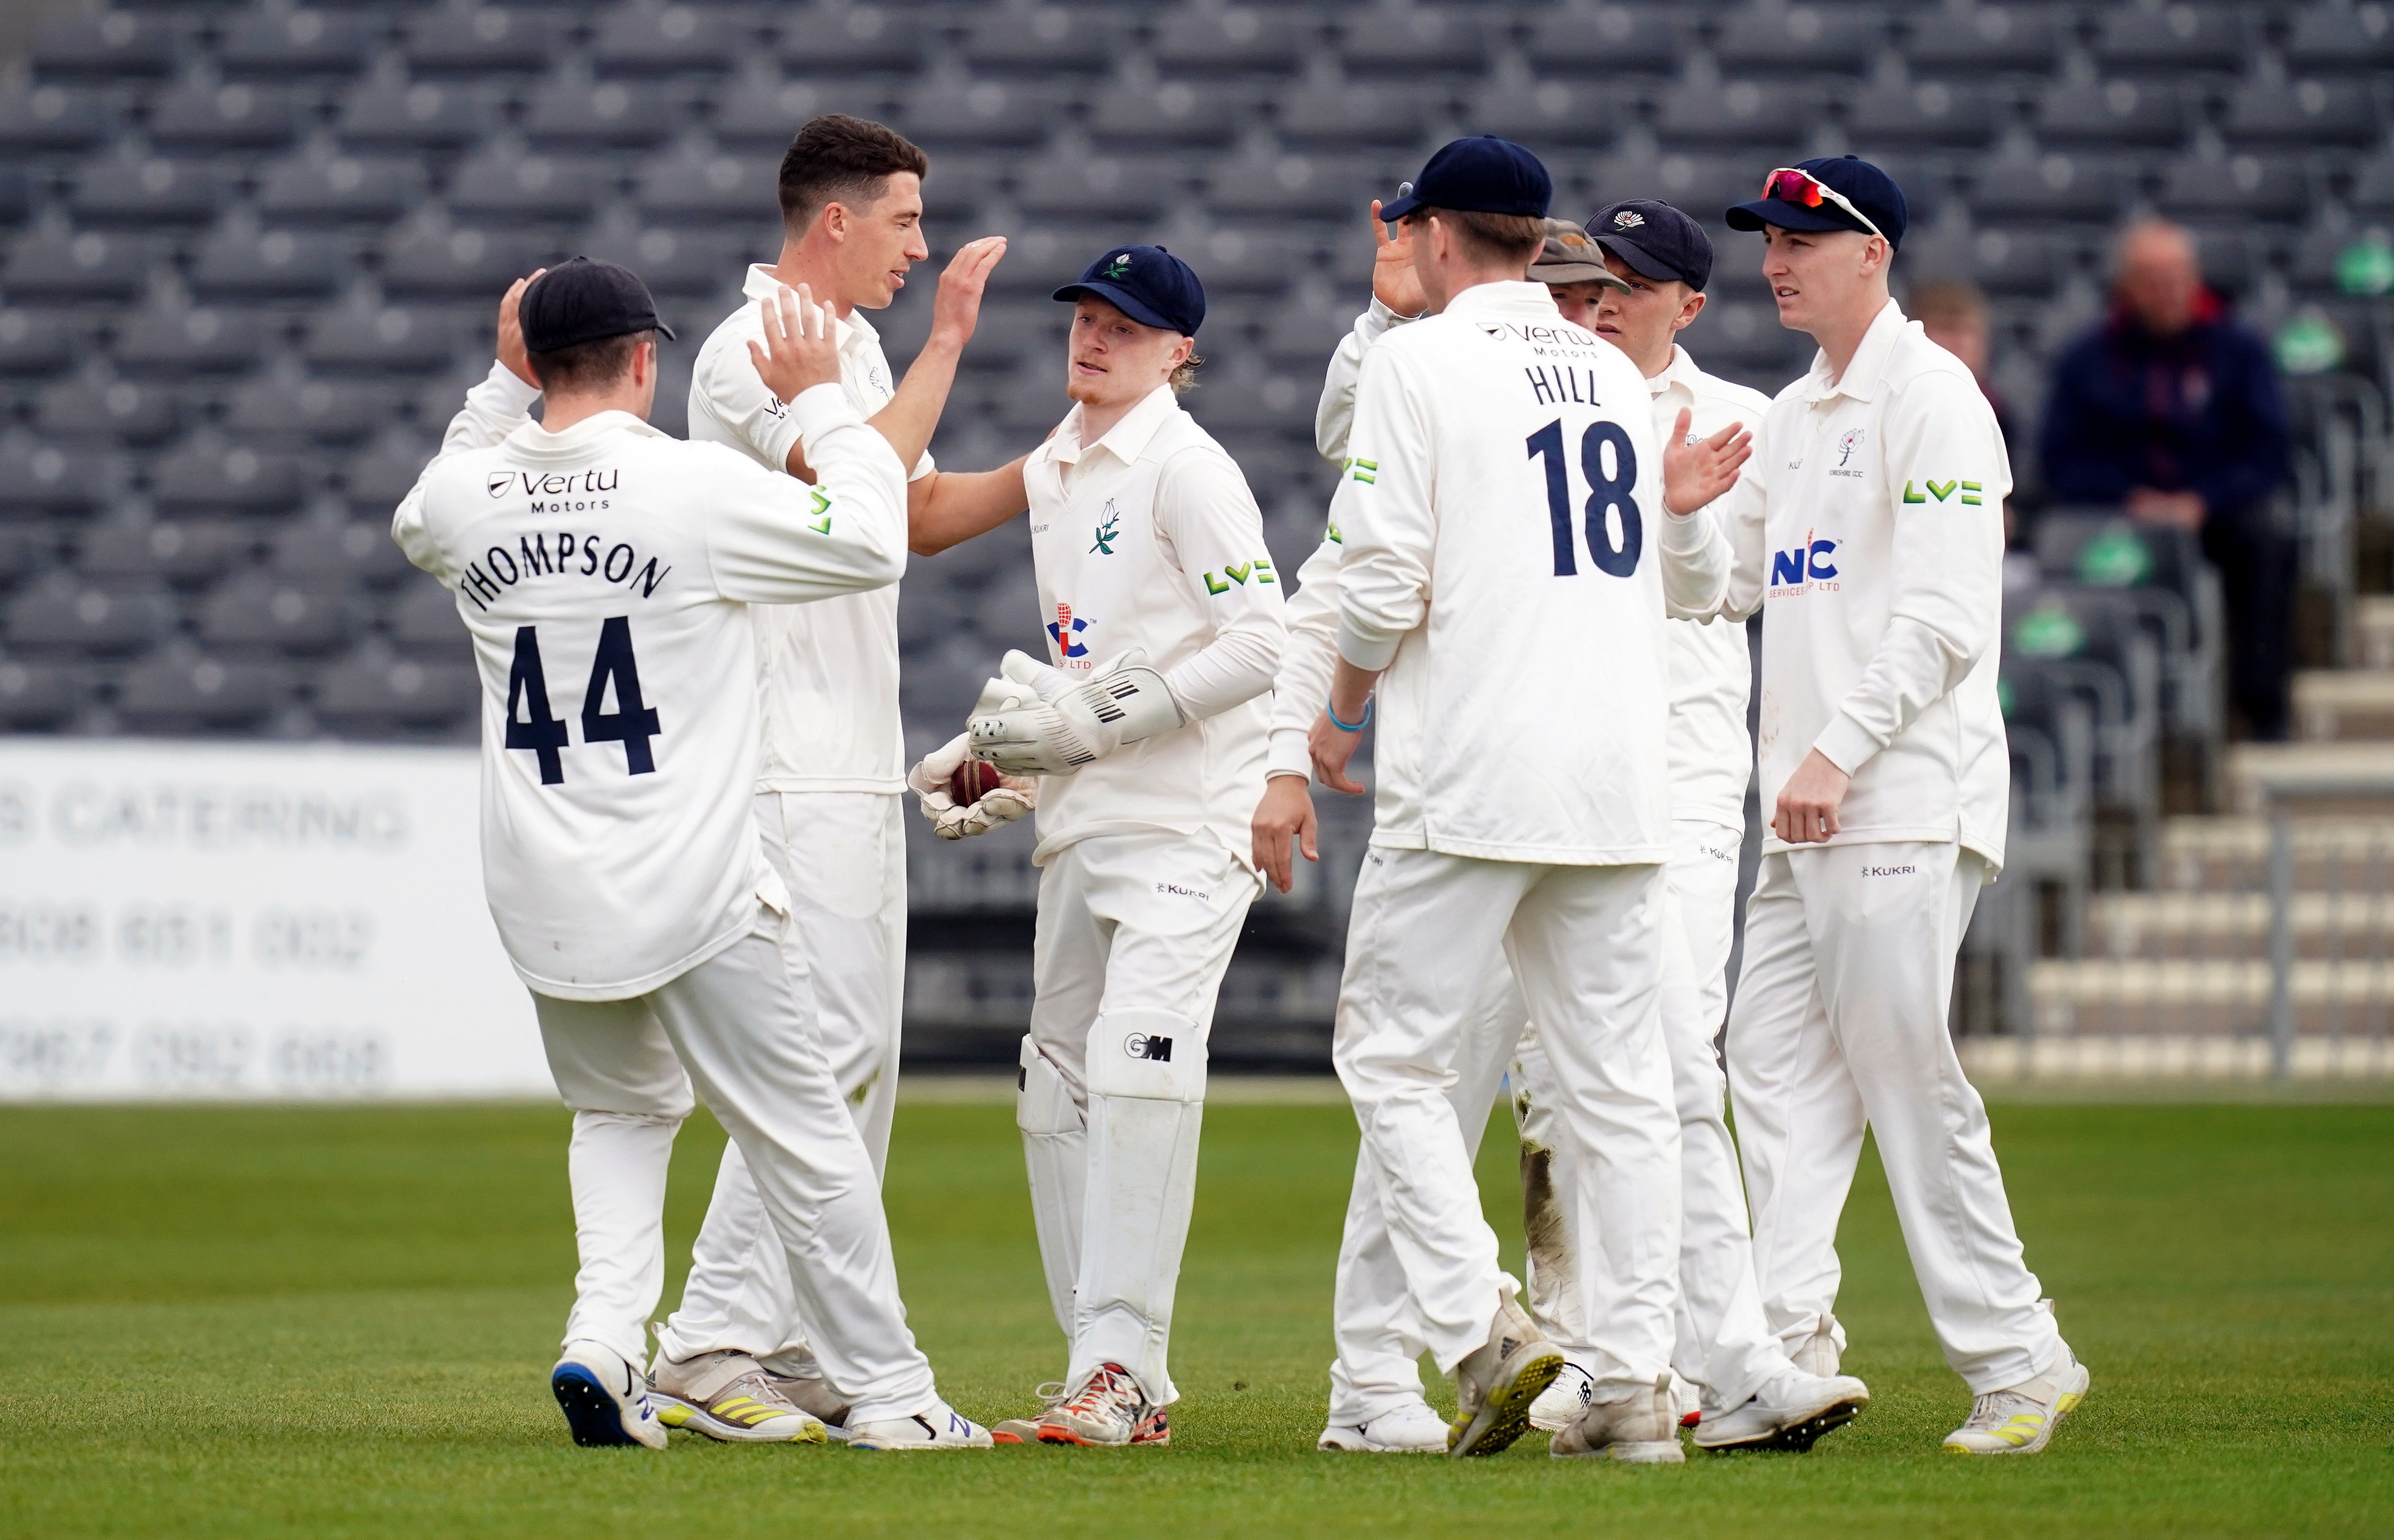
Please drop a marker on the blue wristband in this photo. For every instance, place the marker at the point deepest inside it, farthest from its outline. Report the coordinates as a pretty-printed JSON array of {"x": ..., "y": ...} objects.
[{"x": 1331, "y": 712}]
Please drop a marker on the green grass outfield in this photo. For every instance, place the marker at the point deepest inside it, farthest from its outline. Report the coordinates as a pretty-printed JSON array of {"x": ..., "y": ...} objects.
[{"x": 337, "y": 1322}]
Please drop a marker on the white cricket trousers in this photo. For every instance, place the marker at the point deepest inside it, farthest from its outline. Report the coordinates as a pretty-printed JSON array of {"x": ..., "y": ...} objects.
[
  {"x": 842, "y": 856},
  {"x": 1135, "y": 932},
  {"x": 1584, "y": 945},
  {"x": 1724, "y": 1344},
  {"x": 1839, "y": 1023},
  {"x": 735, "y": 1027}
]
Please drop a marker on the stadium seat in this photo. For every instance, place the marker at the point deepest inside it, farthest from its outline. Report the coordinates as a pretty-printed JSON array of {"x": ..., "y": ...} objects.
[
  {"x": 331, "y": 411},
  {"x": 239, "y": 116},
  {"x": 638, "y": 40},
  {"x": 415, "y": 115},
  {"x": 1172, "y": 111},
  {"x": 1233, "y": 260},
  {"x": 339, "y": 553},
  {"x": 1921, "y": 113},
  {"x": 1606, "y": 41},
  {"x": 303, "y": 42},
  {"x": 1702, "y": 186},
  {"x": 1304, "y": 330},
  {"x": 1079, "y": 183},
  {"x": 503, "y": 186},
  {"x": 2237, "y": 186},
  {"x": 1769, "y": 116},
  {"x": 1771, "y": 37},
  {"x": 37, "y": 696},
  {"x": 2373, "y": 188},
  {"x": 2023, "y": 183},
  {"x": 1234, "y": 39},
  {"x": 106, "y": 45},
  {"x": 1280, "y": 186},
  {"x": 173, "y": 343},
  {"x": 1320, "y": 115},
  {"x": 372, "y": 694},
  {"x": 839, "y": 40},
  {"x": 219, "y": 479},
  {"x": 680, "y": 262},
  {"x": 761, "y": 113},
  {"x": 1741, "y": 338},
  {"x": 258, "y": 613},
  {"x": 374, "y": 482},
  {"x": 463, "y": 262},
  {"x": 2112, "y": 113},
  {"x": 382, "y": 340},
  {"x": 1042, "y": 40},
  {"x": 183, "y": 553},
  {"x": 16, "y": 196},
  {"x": 481, "y": 41},
  {"x": 692, "y": 186},
  {"x": 1413, "y": 40},
  {"x": 572, "y": 115},
  {"x": 2171, "y": 38},
  {"x": 153, "y": 190},
  {"x": 240, "y": 261},
  {"x": 1972, "y": 39},
  {"x": 107, "y": 409},
  {"x": 44, "y": 480},
  {"x": 2336, "y": 38},
  {"x": 339, "y": 189},
  {"x": 2000, "y": 261},
  {"x": 942, "y": 113},
  {"x": 2303, "y": 114},
  {"x": 177, "y": 691},
  {"x": 65, "y": 615},
  {"x": 424, "y": 624},
  {"x": 1550, "y": 112},
  {"x": 49, "y": 119},
  {"x": 34, "y": 343}
]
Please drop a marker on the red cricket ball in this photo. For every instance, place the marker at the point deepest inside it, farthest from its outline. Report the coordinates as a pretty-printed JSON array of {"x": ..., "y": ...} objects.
[{"x": 973, "y": 780}]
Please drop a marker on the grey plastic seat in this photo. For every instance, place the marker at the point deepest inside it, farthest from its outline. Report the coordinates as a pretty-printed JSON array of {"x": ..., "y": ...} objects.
[
  {"x": 1357, "y": 113},
  {"x": 216, "y": 479},
  {"x": 257, "y": 613},
  {"x": 371, "y": 695},
  {"x": 34, "y": 343},
  {"x": 339, "y": 189},
  {"x": 1419, "y": 40},
  {"x": 2172, "y": 38},
  {"x": 761, "y": 113},
  {"x": 936, "y": 113},
  {"x": 157, "y": 189},
  {"x": 612, "y": 114},
  {"x": 106, "y": 45},
  {"x": 235, "y": 116},
  {"x": 1551, "y": 112},
  {"x": 1171, "y": 112},
  {"x": 1103, "y": 186},
  {"x": 1296, "y": 185},
  {"x": 2373, "y": 186},
  {"x": 1998, "y": 260},
  {"x": 242, "y": 263},
  {"x": 2242, "y": 185},
  {"x": 2027, "y": 183},
  {"x": 505, "y": 186},
  {"x": 671, "y": 261},
  {"x": 1302, "y": 332},
  {"x": 121, "y": 409},
  {"x": 183, "y": 553},
  {"x": 1235, "y": 40},
  {"x": 66, "y": 614},
  {"x": 679, "y": 188},
  {"x": 1609, "y": 40},
  {"x": 2339, "y": 39},
  {"x": 423, "y": 115},
  {"x": 176, "y": 692},
  {"x": 1043, "y": 40},
  {"x": 1755, "y": 113},
  {"x": 484, "y": 41},
  {"x": 424, "y": 624},
  {"x": 1255, "y": 260},
  {"x": 298, "y": 44},
  {"x": 329, "y": 412},
  {"x": 373, "y": 482},
  {"x": 462, "y": 262},
  {"x": 49, "y": 481},
  {"x": 392, "y": 339},
  {"x": 175, "y": 343},
  {"x": 35, "y": 695},
  {"x": 1927, "y": 112},
  {"x": 2302, "y": 114},
  {"x": 1698, "y": 185},
  {"x": 2113, "y": 112},
  {"x": 50, "y": 118},
  {"x": 680, "y": 39},
  {"x": 340, "y": 552},
  {"x": 1943, "y": 41},
  {"x": 1799, "y": 39},
  {"x": 844, "y": 41},
  {"x": 16, "y": 196}
]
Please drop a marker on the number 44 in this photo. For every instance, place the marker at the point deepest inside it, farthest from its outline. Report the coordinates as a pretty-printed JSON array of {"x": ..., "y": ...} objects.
[{"x": 632, "y": 723}]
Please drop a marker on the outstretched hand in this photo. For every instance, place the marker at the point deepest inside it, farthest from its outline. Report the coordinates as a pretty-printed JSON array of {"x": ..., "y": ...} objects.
[
  {"x": 1394, "y": 282},
  {"x": 800, "y": 350},
  {"x": 955, "y": 311},
  {"x": 1693, "y": 474},
  {"x": 511, "y": 343}
]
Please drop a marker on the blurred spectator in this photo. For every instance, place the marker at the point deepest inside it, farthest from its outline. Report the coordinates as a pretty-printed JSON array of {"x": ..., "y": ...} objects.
[
  {"x": 1955, "y": 317},
  {"x": 2171, "y": 410}
]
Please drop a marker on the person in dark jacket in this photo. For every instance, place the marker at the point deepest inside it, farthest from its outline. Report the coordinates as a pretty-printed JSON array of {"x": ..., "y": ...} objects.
[{"x": 2171, "y": 411}]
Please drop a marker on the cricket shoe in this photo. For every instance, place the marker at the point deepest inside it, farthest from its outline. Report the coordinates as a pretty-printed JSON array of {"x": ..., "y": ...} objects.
[
  {"x": 1559, "y": 1403},
  {"x": 1790, "y": 1410},
  {"x": 604, "y": 1399},
  {"x": 1109, "y": 1409},
  {"x": 728, "y": 1397},
  {"x": 939, "y": 1426},
  {"x": 1640, "y": 1429},
  {"x": 815, "y": 1396},
  {"x": 2020, "y": 1420},
  {"x": 1026, "y": 1429},
  {"x": 1497, "y": 1381},
  {"x": 1817, "y": 1354},
  {"x": 1413, "y": 1428}
]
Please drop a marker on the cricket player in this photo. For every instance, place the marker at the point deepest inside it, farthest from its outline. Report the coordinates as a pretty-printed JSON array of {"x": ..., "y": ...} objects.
[
  {"x": 732, "y": 1361},
  {"x": 1872, "y": 540},
  {"x": 620, "y": 847},
  {"x": 1146, "y": 727},
  {"x": 1522, "y": 794}
]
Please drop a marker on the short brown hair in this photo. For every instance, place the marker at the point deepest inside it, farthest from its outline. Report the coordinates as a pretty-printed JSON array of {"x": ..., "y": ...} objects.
[
  {"x": 839, "y": 159},
  {"x": 1490, "y": 237},
  {"x": 586, "y": 365}
]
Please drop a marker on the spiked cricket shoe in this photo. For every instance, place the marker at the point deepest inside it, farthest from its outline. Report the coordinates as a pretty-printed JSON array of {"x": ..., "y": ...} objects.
[
  {"x": 1414, "y": 1428},
  {"x": 1497, "y": 1381},
  {"x": 1641, "y": 1428},
  {"x": 815, "y": 1396},
  {"x": 1026, "y": 1429},
  {"x": 1790, "y": 1410},
  {"x": 728, "y": 1397},
  {"x": 2020, "y": 1420},
  {"x": 1817, "y": 1354},
  {"x": 604, "y": 1400},
  {"x": 939, "y": 1426},
  {"x": 1559, "y": 1403},
  {"x": 1108, "y": 1409}
]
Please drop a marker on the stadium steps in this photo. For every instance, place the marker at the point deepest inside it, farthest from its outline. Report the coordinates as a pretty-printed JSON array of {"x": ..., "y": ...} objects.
[{"x": 2338, "y": 705}]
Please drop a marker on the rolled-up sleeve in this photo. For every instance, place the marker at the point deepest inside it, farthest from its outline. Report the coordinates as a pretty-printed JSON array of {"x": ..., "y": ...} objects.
[{"x": 1388, "y": 522}]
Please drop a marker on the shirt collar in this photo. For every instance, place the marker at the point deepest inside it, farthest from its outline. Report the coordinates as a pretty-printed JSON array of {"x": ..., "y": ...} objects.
[
  {"x": 762, "y": 286},
  {"x": 1506, "y": 297},
  {"x": 1859, "y": 382},
  {"x": 1680, "y": 371},
  {"x": 532, "y": 439},
  {"x": 1127, "y": 440}
]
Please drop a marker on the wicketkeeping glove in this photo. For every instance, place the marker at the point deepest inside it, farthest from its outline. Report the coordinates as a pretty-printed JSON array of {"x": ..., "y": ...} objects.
[
  {"x": 1062, "y": 732},
  {"x": 1013, "y": 795}
]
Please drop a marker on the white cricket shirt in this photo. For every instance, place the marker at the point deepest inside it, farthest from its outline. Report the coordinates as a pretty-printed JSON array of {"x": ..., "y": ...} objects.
[
  {"x": 1512, "y": 456},
  {"x": 605, "y": 572},
  {"x": 830, "y": 669},
  {"x": 1872, "y": 539},
  {"x": 1150, "y": 538}
]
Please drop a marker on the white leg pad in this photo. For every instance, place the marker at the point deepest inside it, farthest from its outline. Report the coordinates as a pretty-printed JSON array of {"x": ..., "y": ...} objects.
[
  {"x": 1147, "y": 1093},
  {"x": 1055, "y": 1154}
]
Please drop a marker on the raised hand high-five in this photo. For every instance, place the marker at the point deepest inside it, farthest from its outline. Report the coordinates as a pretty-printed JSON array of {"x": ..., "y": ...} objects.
[
  {"x": 1394, "y": 282},
  {"x": 801, "y": 346},
  {"x": 1693, "y": 474},
  {"x": 955, "y": 309}
]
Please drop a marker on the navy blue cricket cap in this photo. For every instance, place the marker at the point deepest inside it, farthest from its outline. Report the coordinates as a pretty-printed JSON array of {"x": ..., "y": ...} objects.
[
  {"x": 1147, "y": 283},
  {"x": 579, "y": 301},
  {"x": 1656, "y": 241},
  {"x": 1788, "y": 204},
  {"x": 1485, "y": 175}
]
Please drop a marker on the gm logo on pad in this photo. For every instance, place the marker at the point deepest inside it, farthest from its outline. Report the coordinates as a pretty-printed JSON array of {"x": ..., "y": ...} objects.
[{"x": 1155, "y": 1050}]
